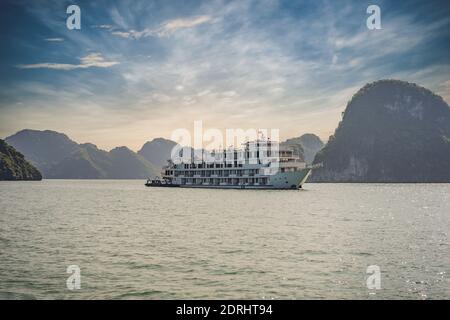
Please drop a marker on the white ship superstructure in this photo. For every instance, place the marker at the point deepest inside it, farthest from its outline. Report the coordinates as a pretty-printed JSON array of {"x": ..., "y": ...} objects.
[{"x": 260, "y": 164}]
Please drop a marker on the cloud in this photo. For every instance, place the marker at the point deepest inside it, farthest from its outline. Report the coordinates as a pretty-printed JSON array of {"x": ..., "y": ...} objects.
[
  {"x": 444, "y": 90},
  {"x": 229, "y": 94},
  {"x": 54, "y": 39},
  {"x": 91, "y": 60},
  {"x": 123, "y": 34},
  {"x": 165, "y": 29},
  {"x": 234, "y": 63},
  {"x": 173, "y": 25},
  {"x": 203, "y": 93},
  {"x": 102, "y": 26}
]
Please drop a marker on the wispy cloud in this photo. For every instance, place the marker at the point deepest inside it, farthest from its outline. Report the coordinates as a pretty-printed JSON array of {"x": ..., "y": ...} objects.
[
  {"x": 54, "y": 39},
  {"x": 89, "y": 61},
  {"x": 234, "y": 63},
  {"x": 173, "y": 25},
  {"x": 102, "y": 26},
  {"x": 165, "y": 29},
  {"x": 125, "y": 34}
]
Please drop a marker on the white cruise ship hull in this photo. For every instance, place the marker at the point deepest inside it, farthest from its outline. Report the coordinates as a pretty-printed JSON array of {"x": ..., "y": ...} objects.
[{"x": 281, "y": 180}]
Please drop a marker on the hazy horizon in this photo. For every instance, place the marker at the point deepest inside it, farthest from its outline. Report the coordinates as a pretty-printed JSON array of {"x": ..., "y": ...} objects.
[{"x": 138, "y": 70}]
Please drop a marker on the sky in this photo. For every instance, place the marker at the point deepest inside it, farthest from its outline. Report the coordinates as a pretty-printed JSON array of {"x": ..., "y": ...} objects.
[{"x": 140, "y": 69}]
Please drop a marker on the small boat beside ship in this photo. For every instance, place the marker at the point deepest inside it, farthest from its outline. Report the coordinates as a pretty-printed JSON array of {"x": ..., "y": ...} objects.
[
  {"x": 261, "y": 164},
  {"x": 157, "y": 182}
]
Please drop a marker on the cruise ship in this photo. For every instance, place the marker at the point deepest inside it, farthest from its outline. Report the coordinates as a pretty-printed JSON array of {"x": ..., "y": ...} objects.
[{"x": 260, "y": 164}]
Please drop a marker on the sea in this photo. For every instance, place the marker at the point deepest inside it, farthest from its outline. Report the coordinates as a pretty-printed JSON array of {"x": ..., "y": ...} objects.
[{"x": 117, "y": 239}]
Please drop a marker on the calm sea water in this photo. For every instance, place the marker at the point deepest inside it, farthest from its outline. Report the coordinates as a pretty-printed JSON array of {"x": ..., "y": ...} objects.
[{"x": 133, "y": 242}]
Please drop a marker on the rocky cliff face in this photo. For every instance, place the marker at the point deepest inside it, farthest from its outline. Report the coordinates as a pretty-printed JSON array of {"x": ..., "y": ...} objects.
[
  {"x": 391, "y": 131},
  {"x": 13, "y": 165}
]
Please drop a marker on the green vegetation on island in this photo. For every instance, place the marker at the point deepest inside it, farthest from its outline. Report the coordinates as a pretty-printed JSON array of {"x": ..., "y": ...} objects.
[
  {"x": 391, "y": 131},
  {"x": 13, "y": 165}
]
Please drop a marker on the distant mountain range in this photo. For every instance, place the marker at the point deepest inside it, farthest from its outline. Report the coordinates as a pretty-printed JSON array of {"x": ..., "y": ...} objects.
[
  {"x": 43, "y": 149},
  {"x": 309, "y": 144},
  {"x": 157, "y": 151},
  {"x": 391, "y": 131},
  {"x": 59, "y": 157},
  {"x": 13, "y": 165}
]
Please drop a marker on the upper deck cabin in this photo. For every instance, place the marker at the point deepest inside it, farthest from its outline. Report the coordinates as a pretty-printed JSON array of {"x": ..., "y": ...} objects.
[{"x": 257, "y": 153}]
